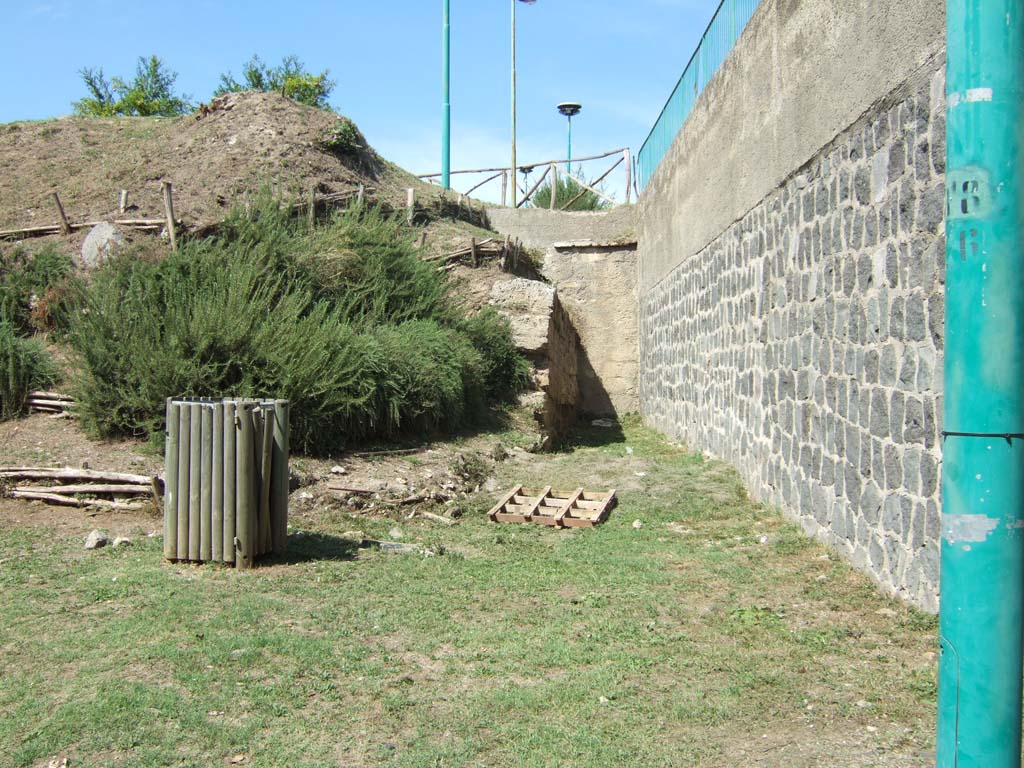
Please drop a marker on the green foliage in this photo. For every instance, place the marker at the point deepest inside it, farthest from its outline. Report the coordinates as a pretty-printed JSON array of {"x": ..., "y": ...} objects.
[
  {"x": 506, "y": 373},
  {"x": 347, "y": 323},
  {"x": 24, "y": 366},
  {"x": 37, "y": 291},
  {"x": 344, "y": 139},
  {"x": 289, "y": 78},
  {"x": 569, "y": 189},
  {"x": 365, "y": 263},
  {"x": 149, "y": 93}
]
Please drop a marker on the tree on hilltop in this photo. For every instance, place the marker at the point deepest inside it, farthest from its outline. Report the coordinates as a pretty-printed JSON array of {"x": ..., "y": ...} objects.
[
  {"x": 289, "y": 78},
  {"x": 150, "y": 92}
]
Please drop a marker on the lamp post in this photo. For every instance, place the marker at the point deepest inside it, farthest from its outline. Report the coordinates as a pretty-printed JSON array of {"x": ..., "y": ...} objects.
[
  {"x": 446, "y": 105},
  {"x": 514, "y": 165},
  {"x": 570, "y": 109}
]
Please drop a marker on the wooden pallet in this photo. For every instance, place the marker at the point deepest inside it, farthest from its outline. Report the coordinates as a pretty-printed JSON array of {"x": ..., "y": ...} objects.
[{"x": 558, "y": 509}]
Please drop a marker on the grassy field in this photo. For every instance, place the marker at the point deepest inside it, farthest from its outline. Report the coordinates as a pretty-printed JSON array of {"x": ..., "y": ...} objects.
[{"x": 713, "y": 635}]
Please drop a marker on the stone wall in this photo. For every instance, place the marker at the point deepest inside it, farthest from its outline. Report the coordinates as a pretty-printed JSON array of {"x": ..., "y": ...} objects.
[
  {"x": 803, "y": 343},
  {"x": 590, "y": 259}
]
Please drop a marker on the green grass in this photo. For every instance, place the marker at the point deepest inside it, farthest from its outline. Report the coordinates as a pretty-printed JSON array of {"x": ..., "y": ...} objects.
[{"x": 515, "y": 646}]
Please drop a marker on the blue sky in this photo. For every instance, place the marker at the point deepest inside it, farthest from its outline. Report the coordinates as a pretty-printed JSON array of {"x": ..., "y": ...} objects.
[{"x": 619, "y": 58}]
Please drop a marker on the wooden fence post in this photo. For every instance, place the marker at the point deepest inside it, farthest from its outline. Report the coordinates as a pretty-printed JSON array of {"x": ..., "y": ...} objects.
[
  {"x": 554, "y": 187},
  {"x": 122, "y": 204},
  {"x": 504, "y": 187},
  {"x": 410, "y": 204},
  {"x": 629, "y": 171},
  {"x": 171, "y": 483},
  {"x": 169, "y": 213},
  {"x": 65, "y": 227}
]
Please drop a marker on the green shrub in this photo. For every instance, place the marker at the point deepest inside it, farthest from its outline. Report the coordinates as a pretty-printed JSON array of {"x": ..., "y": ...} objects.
[
  {"x": 365, "y": 263},
  {"x": 344, "y": 139},
  {"x": 569, "y": 189},
  {"x": 428, "y": 377},
  {"x": 289, "y": 78},
  {"x": 37, "y": 291},
  {"x": 348, "y": 324},
  {"x": 24, "y": 366},
  {"x": 149, "y": 93},
  {"x": 506, "y": 373}
]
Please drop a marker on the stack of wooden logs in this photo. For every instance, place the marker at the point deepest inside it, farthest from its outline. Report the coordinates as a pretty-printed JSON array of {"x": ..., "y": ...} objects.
[
  {"x": 507, "y": 252},
  {"x": 57, "y": 405},
  {"x": 71, "y": 487}
]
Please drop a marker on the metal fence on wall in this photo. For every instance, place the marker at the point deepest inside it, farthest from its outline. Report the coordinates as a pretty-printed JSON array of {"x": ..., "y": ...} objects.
[{"x": 718, "y": 39}]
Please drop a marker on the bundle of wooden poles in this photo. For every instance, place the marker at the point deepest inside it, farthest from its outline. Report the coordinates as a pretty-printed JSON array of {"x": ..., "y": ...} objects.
[
  {"x": 479, "y": 250},
  {"x": 226, "y": 470},
  {"x": 54, "y": 403},
  {"x": 71, "y": 487}
]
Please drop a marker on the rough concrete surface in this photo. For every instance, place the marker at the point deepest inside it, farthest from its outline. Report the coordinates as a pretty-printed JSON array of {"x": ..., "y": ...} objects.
[
  {"x": 528, "y": 305},
  {"x": 539, "y": 228},
  {"x": 597, "y": 287},
  {"x": 596, "y": 284},
  {"x": 801, "y": 73}
]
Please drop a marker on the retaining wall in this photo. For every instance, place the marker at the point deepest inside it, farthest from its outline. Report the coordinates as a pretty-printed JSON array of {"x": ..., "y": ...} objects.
[{"x": 791, "y": 284}]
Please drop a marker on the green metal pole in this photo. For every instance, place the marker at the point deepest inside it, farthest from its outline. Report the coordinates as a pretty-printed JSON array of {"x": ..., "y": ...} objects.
[
  {"x": 514, "y": 182},
  {"x": 446, "y": 104},
  {"x": 979, "y": 712},
  {"x": 568, "y": 165}
]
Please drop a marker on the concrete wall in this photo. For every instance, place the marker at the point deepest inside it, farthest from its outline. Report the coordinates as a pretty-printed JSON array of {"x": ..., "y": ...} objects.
[
  {"x": 597, "y": 287},
  {"x": 791, "y": 268},
  {"x": 539, "y": 228},
  {"x": 802, "y": 72},
  {"x": 596, "y": 284}
]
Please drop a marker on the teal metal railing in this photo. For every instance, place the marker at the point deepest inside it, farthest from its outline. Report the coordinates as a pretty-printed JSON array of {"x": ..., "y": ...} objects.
[{"x": 718, "y": 39}]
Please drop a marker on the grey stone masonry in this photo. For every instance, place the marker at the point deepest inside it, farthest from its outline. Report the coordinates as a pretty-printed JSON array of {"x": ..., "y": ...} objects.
[{"x": 804, "y": 344}]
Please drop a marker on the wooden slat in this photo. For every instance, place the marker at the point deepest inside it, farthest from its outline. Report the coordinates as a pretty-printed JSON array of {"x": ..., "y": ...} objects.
[
  {"x": 569, "y": 504},
  {"x": 539, "y": 499},
  {"x": 507, "y": 498}
]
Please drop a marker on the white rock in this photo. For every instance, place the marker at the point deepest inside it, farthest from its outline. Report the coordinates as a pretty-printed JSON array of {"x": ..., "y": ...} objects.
[
  {"x": 638, "y": 524},
  {"x": 95, "y": 540},
  {"x": 122, "y": 541},
  {"x": 100, "y": 244},
  {"x": 337, "y": 470},
  {"x": 395, "y": 533},
  {"x": 603, "y": 699}
]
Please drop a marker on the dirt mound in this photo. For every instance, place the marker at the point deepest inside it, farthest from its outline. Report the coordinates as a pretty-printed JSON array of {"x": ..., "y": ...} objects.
[{"x": 214, "y": 158}]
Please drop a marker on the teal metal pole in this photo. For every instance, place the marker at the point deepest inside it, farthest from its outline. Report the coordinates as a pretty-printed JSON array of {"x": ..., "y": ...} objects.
[
  {"x": 568, "y": 165},
  {"x": 979, "y": 712},
  {"x": 446, "y": 104}
]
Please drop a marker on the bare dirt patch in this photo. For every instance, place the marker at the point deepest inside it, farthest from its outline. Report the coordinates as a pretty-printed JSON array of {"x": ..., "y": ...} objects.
[{"x": 214, "y": 160}]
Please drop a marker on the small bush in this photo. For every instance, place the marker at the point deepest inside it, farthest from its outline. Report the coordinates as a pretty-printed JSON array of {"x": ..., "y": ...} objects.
[
  {"x": 37, "y": 292},
  {"x": 569, "y": 189},
  {"x": 344, "y": 139},
  {"x": 24, "y": 367}
]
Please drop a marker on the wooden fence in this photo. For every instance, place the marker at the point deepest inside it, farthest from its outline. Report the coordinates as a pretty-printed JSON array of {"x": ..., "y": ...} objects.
[{"x": 551, "y": 171}]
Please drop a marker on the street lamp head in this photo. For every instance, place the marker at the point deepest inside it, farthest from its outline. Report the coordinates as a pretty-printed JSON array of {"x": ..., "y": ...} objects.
[{"x": 569, "y": 108}]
